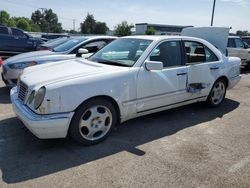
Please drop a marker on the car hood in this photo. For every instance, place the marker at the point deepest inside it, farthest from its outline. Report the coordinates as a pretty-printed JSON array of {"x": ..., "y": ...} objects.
[
  {"x": 64, "y": 70},
  {"x": 29, "y": 56},
  {"x": 218, "y": 36}
]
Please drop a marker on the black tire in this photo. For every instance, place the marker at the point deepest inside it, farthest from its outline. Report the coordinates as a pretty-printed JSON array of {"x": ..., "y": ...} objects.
[
  {"x": 80, "y": 135},
  {"x": 210, "y": 101}
]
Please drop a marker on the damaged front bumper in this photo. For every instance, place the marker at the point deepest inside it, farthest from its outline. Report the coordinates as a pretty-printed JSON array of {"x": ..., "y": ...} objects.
[{"x": 42, "y": 126}]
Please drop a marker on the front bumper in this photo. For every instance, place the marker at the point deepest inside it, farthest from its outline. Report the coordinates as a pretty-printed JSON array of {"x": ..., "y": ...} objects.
[
  {"x": 233, "y": 81},
  {"x": 42, "y": 126}
]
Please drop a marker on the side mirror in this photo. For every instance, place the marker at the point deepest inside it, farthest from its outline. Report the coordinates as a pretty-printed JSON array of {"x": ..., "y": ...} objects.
[
  {"x": 81, "y": 51},
  {"x": 153, "y": 65}
]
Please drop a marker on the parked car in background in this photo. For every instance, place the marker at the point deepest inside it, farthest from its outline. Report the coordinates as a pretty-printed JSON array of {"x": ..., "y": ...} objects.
[
  {"x": 15, "y": 41},
  {"x": 77, "y": 46},
  {"x": 53, "y": 43},
  {"x": 246, "y": 39},
  {"x": 130, "y": 77},
  {"x": 52, "y": 36},
  {"x": 237, "y": 48}
]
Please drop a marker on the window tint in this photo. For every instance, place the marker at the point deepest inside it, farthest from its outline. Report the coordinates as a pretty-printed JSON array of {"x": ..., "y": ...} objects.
[
  {"x": 197, "y": 53},
  {"x": 239, "y": 43},
  {"x": 169, "y": 53},
  {"x": 4, "y": 30},
  {"x": 231, "y": 43},
  {"x": 18, "y": 33}
]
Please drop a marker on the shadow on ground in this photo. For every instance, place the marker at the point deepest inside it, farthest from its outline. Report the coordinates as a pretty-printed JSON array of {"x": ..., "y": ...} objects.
[{"x": 24, "y": 157}]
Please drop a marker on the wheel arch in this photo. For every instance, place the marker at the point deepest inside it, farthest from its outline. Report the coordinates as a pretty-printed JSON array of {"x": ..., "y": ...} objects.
[
  {"x": 107, "y": 98},
  {"x": 223, "y": 78}
]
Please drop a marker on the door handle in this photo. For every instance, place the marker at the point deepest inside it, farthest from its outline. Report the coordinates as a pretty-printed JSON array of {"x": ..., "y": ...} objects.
[
  {"x": 214, "y": 68},
  {"x": 181, "y": 74}
]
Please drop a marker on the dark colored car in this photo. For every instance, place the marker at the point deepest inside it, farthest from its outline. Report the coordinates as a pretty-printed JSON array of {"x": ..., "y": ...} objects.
[
  {"x": 15, "y": 41},
  {"x": 53, "y": 36}
]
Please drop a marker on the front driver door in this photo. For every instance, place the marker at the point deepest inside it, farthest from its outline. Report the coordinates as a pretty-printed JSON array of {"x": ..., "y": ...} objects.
[{"x": 158, "y": 89}]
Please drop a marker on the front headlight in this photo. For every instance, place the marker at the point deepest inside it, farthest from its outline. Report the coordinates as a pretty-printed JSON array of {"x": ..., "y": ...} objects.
[
  {"x": 39, "y": 97},
  {"x": 22, "y": 65}
]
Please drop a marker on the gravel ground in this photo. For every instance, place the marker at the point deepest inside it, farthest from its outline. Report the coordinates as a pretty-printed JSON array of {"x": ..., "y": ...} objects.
[{"x": 191, "y": 146}]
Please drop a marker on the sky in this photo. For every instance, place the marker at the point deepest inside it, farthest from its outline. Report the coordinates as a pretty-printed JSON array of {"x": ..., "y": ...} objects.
[{"x": 228, "y": 13}]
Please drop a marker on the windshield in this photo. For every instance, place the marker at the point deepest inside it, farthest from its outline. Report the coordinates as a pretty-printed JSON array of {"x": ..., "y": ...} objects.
[
  {"x": 56, "y": 42},
  {"x": 68, "y": 45},
  {"x": 122, "y": 52}
]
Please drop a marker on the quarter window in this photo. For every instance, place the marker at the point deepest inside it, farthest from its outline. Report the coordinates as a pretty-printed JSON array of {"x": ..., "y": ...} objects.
[
  {"x": 231, "y": 43},
  {"x": 169, "y": 53}
]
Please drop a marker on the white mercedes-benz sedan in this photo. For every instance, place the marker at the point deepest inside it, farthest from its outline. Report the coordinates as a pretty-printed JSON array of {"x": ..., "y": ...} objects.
[{"x": 130, "y": 77}]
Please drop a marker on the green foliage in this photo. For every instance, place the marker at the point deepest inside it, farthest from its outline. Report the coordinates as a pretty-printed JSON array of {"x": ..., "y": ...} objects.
[
  {"x": 47, "y": 21},
  {"x": 243, "y": 33},
  {"x": 123, "y": 29},
  {"x": 150, "y": 31},
  {"x": 23, "y": 24},
  {"x": 90, "y": 26},
  {"x": 4, "y": 17}
]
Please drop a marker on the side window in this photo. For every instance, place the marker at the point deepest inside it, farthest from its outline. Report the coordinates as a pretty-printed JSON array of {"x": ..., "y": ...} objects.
[
  {"x": 239, "y": 43},
  {"x": 4, "y": 31},
  {"x": 169, "y": 53},
  {"x": 18, "y": 33},
  {"x": 195, "y": 52},
  {"x": 93, "y": 47},
  {"x": 231, "y": 43}
]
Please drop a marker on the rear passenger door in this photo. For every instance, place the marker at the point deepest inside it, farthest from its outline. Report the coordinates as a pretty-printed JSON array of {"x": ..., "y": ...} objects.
[{"x": 203, "y": 68}]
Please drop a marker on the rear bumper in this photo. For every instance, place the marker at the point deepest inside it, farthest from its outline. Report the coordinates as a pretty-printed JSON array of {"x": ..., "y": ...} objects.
[
  {"x": 233, "y": 81},
  {"x": 42, "y": 126}
]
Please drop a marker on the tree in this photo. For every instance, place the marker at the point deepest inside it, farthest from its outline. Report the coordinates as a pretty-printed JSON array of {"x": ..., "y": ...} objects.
[
  {"x": 242, "y": 33},
  {"x": 101, "y": 28},
  {"x": 47, "y": 21},
  {"x": 4, "y": 17},
  {"x": 23, "y": 24},
  {"x": 123, "y": 29},
  {"x": 150, "y": 31},
  {"x": 89, "y": 25}
]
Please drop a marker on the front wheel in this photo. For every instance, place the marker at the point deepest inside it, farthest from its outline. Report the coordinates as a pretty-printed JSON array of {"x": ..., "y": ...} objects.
[
  {"x": 217, "y": 94},
  {"x": 93, "y": 121}
]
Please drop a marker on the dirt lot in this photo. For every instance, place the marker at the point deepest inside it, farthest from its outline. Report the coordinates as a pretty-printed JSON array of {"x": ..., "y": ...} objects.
[{"x": 192, "y": 146}]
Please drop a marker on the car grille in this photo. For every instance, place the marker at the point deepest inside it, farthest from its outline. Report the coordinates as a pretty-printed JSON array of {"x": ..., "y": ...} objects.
[{"x": 22, "y": 91}]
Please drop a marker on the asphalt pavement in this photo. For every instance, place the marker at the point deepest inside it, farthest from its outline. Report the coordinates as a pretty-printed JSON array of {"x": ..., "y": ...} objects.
[{"x": 191, "y": 146}]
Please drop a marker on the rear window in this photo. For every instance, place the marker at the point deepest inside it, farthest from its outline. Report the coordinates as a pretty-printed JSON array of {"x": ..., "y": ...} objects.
[{"x": 4, "y": 31}]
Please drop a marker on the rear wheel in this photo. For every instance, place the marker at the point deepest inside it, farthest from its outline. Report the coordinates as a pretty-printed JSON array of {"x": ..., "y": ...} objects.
[
  {"x": 93, "y": 121},
  {"x": 218, "y": 93}
]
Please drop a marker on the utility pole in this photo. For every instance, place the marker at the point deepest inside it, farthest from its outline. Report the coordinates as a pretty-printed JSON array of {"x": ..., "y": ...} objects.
[
  {"x": 74, "y": 24},
  {"x": 212, "y": 19}
]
